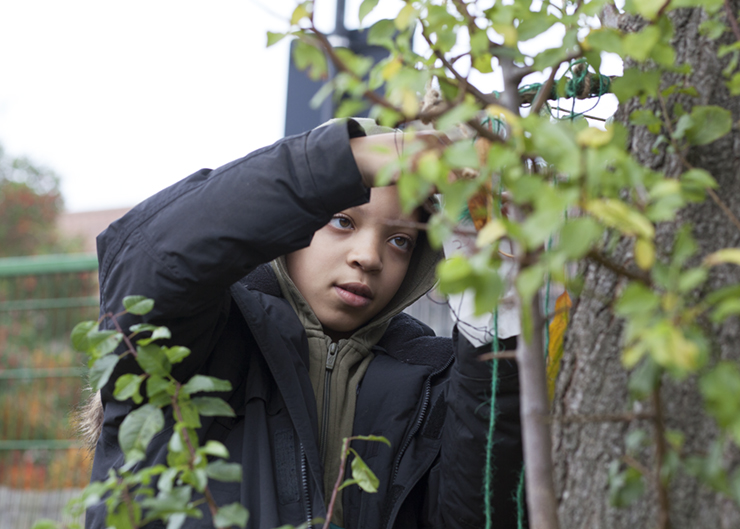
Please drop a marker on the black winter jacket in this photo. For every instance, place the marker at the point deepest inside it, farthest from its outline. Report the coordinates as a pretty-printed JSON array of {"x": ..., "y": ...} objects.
[{"x": 196, "y": 248}]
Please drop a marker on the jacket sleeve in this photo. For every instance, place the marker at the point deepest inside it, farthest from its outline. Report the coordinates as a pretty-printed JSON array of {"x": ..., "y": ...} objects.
[
  {"x": 462, "y": 463},
  {"x": 187, "y": 244}
]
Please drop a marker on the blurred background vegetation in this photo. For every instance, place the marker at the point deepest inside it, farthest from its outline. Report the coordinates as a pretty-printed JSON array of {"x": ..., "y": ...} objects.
[{"x": 46, "y": 286}]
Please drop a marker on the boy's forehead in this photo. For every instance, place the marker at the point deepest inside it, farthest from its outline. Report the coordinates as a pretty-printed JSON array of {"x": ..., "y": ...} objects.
[{"x": 384, "y": 204}]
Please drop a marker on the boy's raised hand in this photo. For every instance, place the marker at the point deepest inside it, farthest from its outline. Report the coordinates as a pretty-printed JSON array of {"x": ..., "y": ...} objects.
[{"x": 372, "y": 153}]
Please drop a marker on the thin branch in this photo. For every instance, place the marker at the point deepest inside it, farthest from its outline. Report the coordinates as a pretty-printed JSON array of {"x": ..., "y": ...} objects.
[
  {"x": 662, "y": 10},
  {"x": 660, "y": 451},
  {"x": 733, "y": 20},
  {"x": 605, "y": 417},
  {"x": 212, "y": 506},
  {"x": 126, "y": 340},
  {"x": 634, "y": 463},
  {"x": 618, "y": 269},
  {"x": 485, "y": 99},
  {"x": 340, "y": 477},
  {"x": 544, "y": 93},
  {"x": 504, "y": 355}
]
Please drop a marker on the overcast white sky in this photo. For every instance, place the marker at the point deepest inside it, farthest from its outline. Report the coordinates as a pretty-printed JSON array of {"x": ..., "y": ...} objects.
[{"x": 124, "y": 98}]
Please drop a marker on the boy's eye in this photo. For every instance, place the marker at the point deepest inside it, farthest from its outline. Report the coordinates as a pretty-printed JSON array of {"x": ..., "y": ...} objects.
[
  {"x": 402, "y": 243},
  {"x": 340, "y": 222}
]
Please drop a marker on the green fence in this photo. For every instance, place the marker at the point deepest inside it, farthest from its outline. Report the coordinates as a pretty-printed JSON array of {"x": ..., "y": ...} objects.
[{"x": 41, "y": 381}]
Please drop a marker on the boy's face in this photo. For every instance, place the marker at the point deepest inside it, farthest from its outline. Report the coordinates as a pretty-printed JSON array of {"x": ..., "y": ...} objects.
[{"x": 356, "y": 263}]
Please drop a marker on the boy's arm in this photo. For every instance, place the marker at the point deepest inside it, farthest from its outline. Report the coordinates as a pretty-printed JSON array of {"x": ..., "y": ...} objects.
[{"x": 186, "y": 245}]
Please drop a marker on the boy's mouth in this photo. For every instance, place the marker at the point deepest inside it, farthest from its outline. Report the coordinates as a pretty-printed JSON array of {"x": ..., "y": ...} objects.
[{"x": 355, "y": 294}]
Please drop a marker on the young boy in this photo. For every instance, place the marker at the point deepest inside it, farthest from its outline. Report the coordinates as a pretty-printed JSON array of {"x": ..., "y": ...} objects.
[{"x": 314, "y": 343}]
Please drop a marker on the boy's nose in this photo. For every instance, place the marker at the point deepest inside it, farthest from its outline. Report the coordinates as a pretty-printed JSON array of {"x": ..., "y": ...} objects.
[{"x": 367, "y": 257}]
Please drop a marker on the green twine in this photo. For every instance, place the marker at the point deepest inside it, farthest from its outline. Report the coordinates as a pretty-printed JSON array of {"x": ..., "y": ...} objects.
[
  {"x": 520, "y": 501},
  {"x": 488, "y": 492}
]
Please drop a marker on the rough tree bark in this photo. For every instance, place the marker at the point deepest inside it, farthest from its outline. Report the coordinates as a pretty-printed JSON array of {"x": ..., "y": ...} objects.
[{"x": 592, "y": 380}]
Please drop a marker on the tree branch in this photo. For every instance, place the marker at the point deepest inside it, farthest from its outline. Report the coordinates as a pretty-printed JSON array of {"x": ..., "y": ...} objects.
[
  {"x": 535, "y": 409},
  {"x": 618, "y": 269},
  {"x": 732, "y": 19},
  {"x": 660, "y": 450},
  {"x": 606, "y": 417}
]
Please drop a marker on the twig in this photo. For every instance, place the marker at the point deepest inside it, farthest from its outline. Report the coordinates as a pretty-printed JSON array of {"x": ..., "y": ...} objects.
[
  {"x": 129, "y": 505},
  {"x": 660, "y": 450},
  {"x": 732, "y": 19},
  {"x": 618, "y": 269},
  {"x": 126, "y": 340},
  {"x": 340, "y": 477},
  {"x": 212, "y": 506},
  {"x": 485, "y": 99},
  {"x": 662, "y": 10},
  {"x": 606, "y": 417},
  {"x": 504, "y": 355},
  {"x": 547, "y": 87},
  {"x": 634, "y": 463},
  {"x": 535, "y": 408}
]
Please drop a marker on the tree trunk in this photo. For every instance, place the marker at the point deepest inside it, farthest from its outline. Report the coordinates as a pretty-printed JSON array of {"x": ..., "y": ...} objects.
[{"x": 592, "y": 380}]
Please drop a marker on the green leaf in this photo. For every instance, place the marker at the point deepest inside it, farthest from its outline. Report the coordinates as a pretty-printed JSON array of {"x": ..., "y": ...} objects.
[
  {"x": 365, "y": 477},
  {"x": 721, "y": 390},
  {"x": 127, "y": 387},
  {"x": 733, "y": 85},
  {"x": 176, "y": 353},
  {"x": 274, "y": 38},
  {"x": 456, "y": 115},
  {"x": 616, "y": 214},
  {"x": 214, "y": 448},
  {"x": 158, "y": 333},
  {"x": 636, "y": 299},
  {"x": 455, "y": 274},
  {"x": 101, "y": 371},
  {"x": 169, "y": 502},
  {"x": 301, "y": 11},
  {"x": 461, "y": 154},
  {"x": 200, "y": 383},
  {"x": 45, "y": 524},
  {"x": 309, "y": 57},
  {"x": 381, "y": 33},
  {"x": 80, "y": 333},
  {"x": 709, "y": 124},
  {"x": 723, "y": 256},
  {"x": 138, "y": 429},
  {"x": 635, "y": 82},
  {"x": 639, "y": 45},
  {"x": 138, "y": 305},
  {"x": 153, "y": 360},
  {"x": 213, "y": 406},
  {"x": 406, "y": 16},
  {"x": 647, "y": 8},
  {"x": 366, "y": 7},
  {"x": 529, "y": 280},
  {"x": 624, "y": 487},
  {"x": 578, "y": 236},
  {"x": 220, "y": 470},
  {"x": 232, "y": 514},
  {"x": 647, "y": 118}
]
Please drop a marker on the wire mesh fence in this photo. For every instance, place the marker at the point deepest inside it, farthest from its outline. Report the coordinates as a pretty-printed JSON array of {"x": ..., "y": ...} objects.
[{"x": 42, "y": 465}]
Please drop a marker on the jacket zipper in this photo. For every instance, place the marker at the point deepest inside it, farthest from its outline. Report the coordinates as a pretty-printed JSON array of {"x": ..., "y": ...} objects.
[
  {"x": 304, "y": 480},
  {"x": 331, "y": 357},
  {"x": 420, "y": 419}
]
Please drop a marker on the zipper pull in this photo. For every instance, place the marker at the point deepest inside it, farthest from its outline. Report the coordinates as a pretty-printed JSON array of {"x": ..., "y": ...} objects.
[{"x": 331, "y": 357}]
